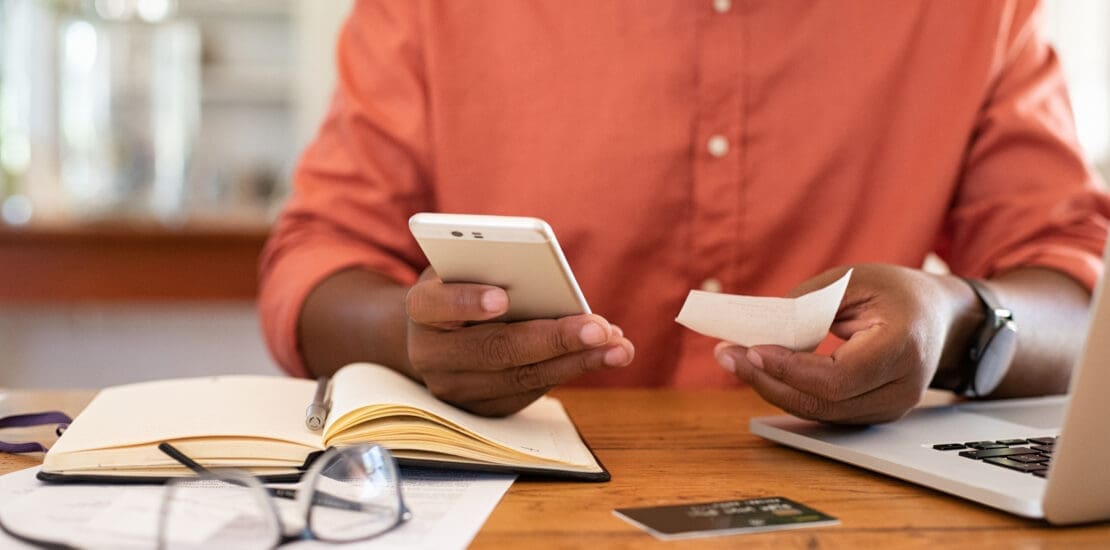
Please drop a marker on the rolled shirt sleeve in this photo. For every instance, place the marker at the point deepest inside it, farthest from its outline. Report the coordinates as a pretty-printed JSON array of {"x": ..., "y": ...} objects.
[
  {"x": 358, "y": 181},
  {"x": 1027, "y": 196}
]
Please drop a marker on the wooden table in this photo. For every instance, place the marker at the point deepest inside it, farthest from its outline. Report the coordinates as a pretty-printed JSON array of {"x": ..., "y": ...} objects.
[{"x": 672, "y": 446}]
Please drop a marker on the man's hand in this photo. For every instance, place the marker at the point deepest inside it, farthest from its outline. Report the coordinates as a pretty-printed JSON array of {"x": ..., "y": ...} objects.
[
  {"x": 894, "y": 322},
  {"x": 495, "y": 368}
]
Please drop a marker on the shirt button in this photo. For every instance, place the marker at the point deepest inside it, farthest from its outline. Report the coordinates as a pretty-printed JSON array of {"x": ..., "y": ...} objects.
[
  {"x": 717, "y": 146},
  {"x": 722, "y": 6},
  {"x": 711, "y": 285}
]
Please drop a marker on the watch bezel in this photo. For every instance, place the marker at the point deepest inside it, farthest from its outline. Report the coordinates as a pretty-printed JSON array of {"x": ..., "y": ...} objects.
[{"x": 993, "y": 346}]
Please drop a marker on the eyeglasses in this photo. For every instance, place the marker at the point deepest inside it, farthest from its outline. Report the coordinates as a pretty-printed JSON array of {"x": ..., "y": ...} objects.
[{"x": 348, "y": 494}]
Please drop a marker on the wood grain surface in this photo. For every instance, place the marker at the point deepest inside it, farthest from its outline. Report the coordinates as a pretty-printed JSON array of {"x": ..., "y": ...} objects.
[{"x": 678, "y": 446}]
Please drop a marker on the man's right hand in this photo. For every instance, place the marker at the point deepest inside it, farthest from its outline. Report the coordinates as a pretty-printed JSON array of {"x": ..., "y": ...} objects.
[{"x": 495, "y": 368}]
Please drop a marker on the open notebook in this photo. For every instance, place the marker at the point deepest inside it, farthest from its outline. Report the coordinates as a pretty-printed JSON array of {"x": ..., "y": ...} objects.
[
  {"x": 1002, "y": 453},
  {"x": 258, "y": 423}
]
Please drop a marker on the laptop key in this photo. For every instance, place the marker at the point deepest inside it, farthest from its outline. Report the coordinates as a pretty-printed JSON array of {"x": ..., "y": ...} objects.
[
  {"x": 1041, "y": 473},
  {"x": 1015, "y": 465},
  {"x": 993, "y": 453},
  {"x": 949, "y": 446},
  {"x": 1042, "y": 440},
  {"x": 984, "y": 445},
  {"x": 1011, "y": 441},
  {"x": 1044, "y": 448},
  {"x": 1030, "y": 459}
]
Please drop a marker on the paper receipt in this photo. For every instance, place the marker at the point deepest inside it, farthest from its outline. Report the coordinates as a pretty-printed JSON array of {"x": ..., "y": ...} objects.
[{"x": 796, "y": 323}]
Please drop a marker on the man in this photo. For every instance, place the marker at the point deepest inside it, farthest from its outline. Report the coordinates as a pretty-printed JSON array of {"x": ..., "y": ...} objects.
[{"x": 747, "y": 147}]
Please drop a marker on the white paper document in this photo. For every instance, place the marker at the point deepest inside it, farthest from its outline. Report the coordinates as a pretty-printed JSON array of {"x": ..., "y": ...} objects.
[
  {"x": 796, "y": 323},
  {"x": 448, "y": 508}
]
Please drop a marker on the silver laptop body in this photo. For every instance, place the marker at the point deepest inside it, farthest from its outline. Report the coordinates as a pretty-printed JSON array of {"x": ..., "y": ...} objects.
[{"x": 1076, "y": 489}]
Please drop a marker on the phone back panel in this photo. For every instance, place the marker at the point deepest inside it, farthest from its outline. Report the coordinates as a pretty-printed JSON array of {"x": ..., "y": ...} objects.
[
  {"x": 526, "y": 261},
  {"x": 529, "y": 272}
]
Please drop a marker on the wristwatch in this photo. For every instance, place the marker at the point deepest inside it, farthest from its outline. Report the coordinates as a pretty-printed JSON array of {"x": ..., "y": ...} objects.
[{"x": 992, "y": 347}]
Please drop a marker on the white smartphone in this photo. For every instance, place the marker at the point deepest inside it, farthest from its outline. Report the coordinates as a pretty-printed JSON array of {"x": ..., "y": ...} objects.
[{"x": 518, "y": 254}]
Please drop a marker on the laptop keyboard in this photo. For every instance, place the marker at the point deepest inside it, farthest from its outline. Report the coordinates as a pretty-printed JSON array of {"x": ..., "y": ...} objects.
[{"x": 1031, "y": 456}]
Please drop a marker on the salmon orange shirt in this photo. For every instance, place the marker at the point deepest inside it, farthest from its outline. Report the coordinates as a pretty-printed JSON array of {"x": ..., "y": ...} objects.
[{"x": 732, "y": 145}]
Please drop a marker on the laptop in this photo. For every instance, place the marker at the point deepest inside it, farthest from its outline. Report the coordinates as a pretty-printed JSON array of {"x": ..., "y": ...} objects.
[{"x": 1042, "y": 458}]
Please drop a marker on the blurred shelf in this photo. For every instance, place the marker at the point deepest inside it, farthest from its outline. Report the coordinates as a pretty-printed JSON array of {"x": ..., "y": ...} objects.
[
  {"x": 257, "y": 84},
  {"x": 96, "y": 262},
  {"x": 246, "y": 8}
]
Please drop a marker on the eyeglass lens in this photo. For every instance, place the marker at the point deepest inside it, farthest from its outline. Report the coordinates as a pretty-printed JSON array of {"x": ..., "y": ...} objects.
[
  {"x": 350, "y": 494},
  {"x": 229, "y": 511},
  {"x": 355, "y": 496}
]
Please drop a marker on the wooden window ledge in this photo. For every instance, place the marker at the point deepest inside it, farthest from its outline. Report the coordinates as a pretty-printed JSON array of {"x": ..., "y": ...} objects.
[{"x": 65, "y": 263}]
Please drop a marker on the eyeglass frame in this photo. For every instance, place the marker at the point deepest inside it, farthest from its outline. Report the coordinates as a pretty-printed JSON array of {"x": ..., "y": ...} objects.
[
  {"x": 306, "y": 533},
  {"x": 245, "y": 478}
]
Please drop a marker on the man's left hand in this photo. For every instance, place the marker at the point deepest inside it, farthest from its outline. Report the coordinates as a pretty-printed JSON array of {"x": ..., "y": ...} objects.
[{"x": 894, "y": 322}]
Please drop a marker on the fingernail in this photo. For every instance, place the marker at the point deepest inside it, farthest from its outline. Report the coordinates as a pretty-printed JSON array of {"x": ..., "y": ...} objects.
[
  {"x": 755, "y": 359},
  {"x": 592, "y": 334},
  {"x": 616, "y": 357},
  {"x": 727, "y": 362},
  {"x": 494, "y": 301}
]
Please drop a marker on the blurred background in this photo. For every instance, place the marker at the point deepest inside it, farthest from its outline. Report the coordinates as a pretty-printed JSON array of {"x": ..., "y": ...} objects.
[{"x": 146, "y": 145}]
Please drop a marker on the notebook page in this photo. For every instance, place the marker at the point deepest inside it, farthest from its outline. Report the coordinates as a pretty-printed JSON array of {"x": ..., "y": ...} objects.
[
  {"x": 542, "y": 429},
  {"x": 242, "y": 405}
]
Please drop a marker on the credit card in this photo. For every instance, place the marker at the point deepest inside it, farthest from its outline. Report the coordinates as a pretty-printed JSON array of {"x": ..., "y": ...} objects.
[{"x": 727, "y": 517}]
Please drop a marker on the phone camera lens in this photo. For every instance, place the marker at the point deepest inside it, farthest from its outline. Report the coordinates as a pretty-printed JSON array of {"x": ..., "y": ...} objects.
[{"x": 457, "y": 233}]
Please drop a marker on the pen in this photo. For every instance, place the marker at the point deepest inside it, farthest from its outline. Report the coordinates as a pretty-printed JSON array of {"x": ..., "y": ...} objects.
[{"x": 317, "y": 411}]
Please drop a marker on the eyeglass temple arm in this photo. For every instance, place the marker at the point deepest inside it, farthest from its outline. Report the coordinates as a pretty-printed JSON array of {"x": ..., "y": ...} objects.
[
  {"x": 184, "y": 460},
  {"x": 321, "y": 498}
]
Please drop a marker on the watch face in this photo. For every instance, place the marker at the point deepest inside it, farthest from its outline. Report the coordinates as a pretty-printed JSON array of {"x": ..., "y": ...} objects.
[{"x": 996, "y": 360}]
